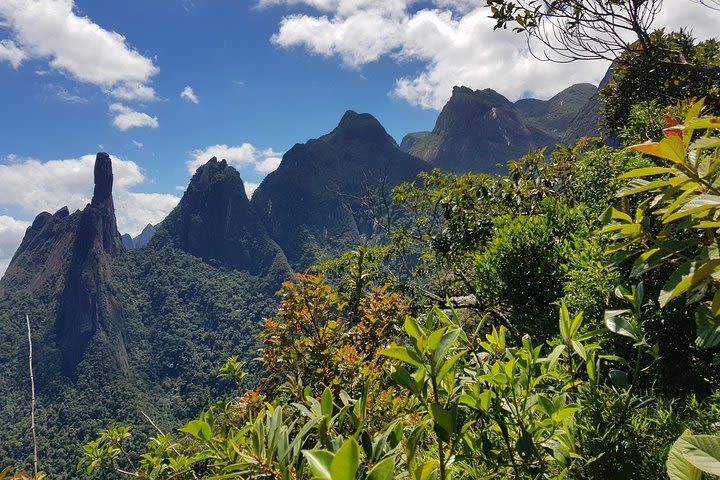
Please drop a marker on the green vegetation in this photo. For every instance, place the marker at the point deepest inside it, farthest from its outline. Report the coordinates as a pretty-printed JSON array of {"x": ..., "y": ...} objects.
[
  {"x": 558, "y": 322},
  {"x": 545, "y": 334},
  {"x": 182, "y": 318}
]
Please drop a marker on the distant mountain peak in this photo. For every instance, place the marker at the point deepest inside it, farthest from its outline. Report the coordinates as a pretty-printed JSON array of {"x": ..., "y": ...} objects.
[
  {"x": 480, "y": 130},
  {"x": 87, "y": 303},
  {"x": 355, "y": 126},
  {"x": 103, "y": 176},
  {"x": 216, "y": 222},
  {"x": 314, "y": 205}
]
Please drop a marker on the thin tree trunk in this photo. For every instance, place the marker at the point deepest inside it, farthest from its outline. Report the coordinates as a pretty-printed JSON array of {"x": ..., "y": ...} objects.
[{"x": 32, "y": 405}]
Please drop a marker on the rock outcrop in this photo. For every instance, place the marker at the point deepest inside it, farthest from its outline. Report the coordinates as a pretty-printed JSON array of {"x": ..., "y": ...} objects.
[
  {"x": 216, "y": 222},
  {"x": 319, "y": 202},
  {"x": 480, "y": 130},
  {"x": 87, "y": 303}
]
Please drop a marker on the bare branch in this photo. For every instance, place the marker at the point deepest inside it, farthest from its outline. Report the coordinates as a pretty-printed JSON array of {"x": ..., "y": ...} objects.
[{"x": 32, "y": 404}]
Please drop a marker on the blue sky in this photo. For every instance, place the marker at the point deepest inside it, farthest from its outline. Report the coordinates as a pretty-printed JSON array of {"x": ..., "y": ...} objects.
[{"x": 162, "y": 85}]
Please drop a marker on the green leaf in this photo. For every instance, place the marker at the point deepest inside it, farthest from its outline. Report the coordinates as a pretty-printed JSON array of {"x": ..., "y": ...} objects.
[
  {"x": 686, "y": 277},
  {"x": 198, "y": 429},
  {"x": 702, "y": 451},
  {"x": 618, "y": 215},
  {"x": 319, "y": 462},
  {"x": 449, "y": 365},
  {"x": 639, "y": 185},
  {"x": 383, "y": 470},
  {"x": 642, "y": 402},
  {"x": 445, "y": 421},
  {"x": 697, "y": 204},
  {"x": 412, "y": 328},
  {"x": 705, "y": 142},
  {"x": 619, "y": 379},
  {"x": 446, "y": 342},
  {"x": 708, "y": 327},
  {"x": 616, "y": 323},
  {"x": 564, "y": 322},
  {"x": 673, "y": 149},
  {"x": 693, "y": 112},
  {"x": 554, "y": 356},
  {"x": 326, "y": 402},
  {"x": 579, "y": 349},
  {"x": 434, "y": 339},
  {"x": 346, "y": 461},
  {"x": 646, "y": 172},
  {"x": 678, "y": 467},
  {"x": 427, "y": 471},
  {"x": 402, "y": 353},
  {"x": 402, "y": 377}
]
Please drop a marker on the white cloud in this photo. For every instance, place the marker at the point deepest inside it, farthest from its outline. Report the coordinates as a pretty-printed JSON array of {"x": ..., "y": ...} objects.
[
  {"x": 4, "y": 262},
  {"x": 453, "y": 39},
  {"x": 240, "y": 156},
  {"x": 77, "y": 47},
  {"x": 138, "y": 144},
  {"x": 250, "y": 188},
  {"x": 11, "y": 53},
  {"x": 132, "y": 91},
  {"x": 189, "y": 95},
  {"x": 11, "y": 234},
  {"x": 270, "y": 163},
  {"x": 126, "y": 118},
  {"x": 64, "y": 95}
]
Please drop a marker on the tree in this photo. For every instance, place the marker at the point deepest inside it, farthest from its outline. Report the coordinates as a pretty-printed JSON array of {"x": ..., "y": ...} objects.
[
  {"x": 677, "y": 68},
  {"x": 567, "y": 30}
]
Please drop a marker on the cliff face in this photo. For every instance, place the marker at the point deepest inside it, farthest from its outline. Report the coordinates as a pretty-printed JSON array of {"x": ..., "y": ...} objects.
[
  {"x": 216, "y": 222},
  {"x": 319, "y": 202},
  {"x": 87, "y": 304},
  {"x": 480, "y": 130}
]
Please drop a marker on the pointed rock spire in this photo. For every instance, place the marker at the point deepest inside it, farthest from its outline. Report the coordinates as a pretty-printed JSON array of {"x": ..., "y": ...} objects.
[{"x": 87, "y": 303}]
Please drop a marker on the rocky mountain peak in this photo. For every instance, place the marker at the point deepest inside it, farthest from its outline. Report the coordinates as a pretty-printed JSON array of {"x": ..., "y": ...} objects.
[
  {"x": 359, "y": 127},
  {"x": 215, "y": 221},
  {"x": 104, "y": 208},
  {"x": 87, "y": 303},
  {"x": 103, "y": 180},
  {"x": 480, "y": 130}
]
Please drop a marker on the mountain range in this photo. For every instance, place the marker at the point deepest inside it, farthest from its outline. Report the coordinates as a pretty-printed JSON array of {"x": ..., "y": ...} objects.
[
  {"x": 480, "y": 130},
  {"x": 123, "y": 325}
]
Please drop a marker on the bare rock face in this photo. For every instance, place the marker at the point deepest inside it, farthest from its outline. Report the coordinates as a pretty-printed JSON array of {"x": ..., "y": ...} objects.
[
  {"x": 102, "y": 201},
  {"x": 315, "y": 205},
  {"x": 480, "y": 130},
  {"x": 87, "y": 304},
  {"x": 215, "y": 221}
]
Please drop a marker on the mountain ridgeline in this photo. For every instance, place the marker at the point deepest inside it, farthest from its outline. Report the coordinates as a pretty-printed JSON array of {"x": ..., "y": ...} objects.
[
  {"x": 318, "y": 202},
  {"x": 480, "y": 130},
  {"x": 120, "y": 322}
]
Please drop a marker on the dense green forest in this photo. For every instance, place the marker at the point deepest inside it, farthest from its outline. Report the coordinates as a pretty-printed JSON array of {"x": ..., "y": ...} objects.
[{"x": 560, "y": 321}]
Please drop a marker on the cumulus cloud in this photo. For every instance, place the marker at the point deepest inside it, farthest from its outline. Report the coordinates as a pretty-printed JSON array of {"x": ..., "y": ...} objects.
[
  {"x": 453, "y": 39},
  {"x": 240, "y": 156},
  {"x": 75, "y": 46},
  {"x": 269, "y": 163},
  {"x": 11, "y": 53},
  {"x": 11, "y": 234},
  {"x": 189, "y": 95},
  {"x": 126, "y": 118},
  {"x": 250, "y": 188}
]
